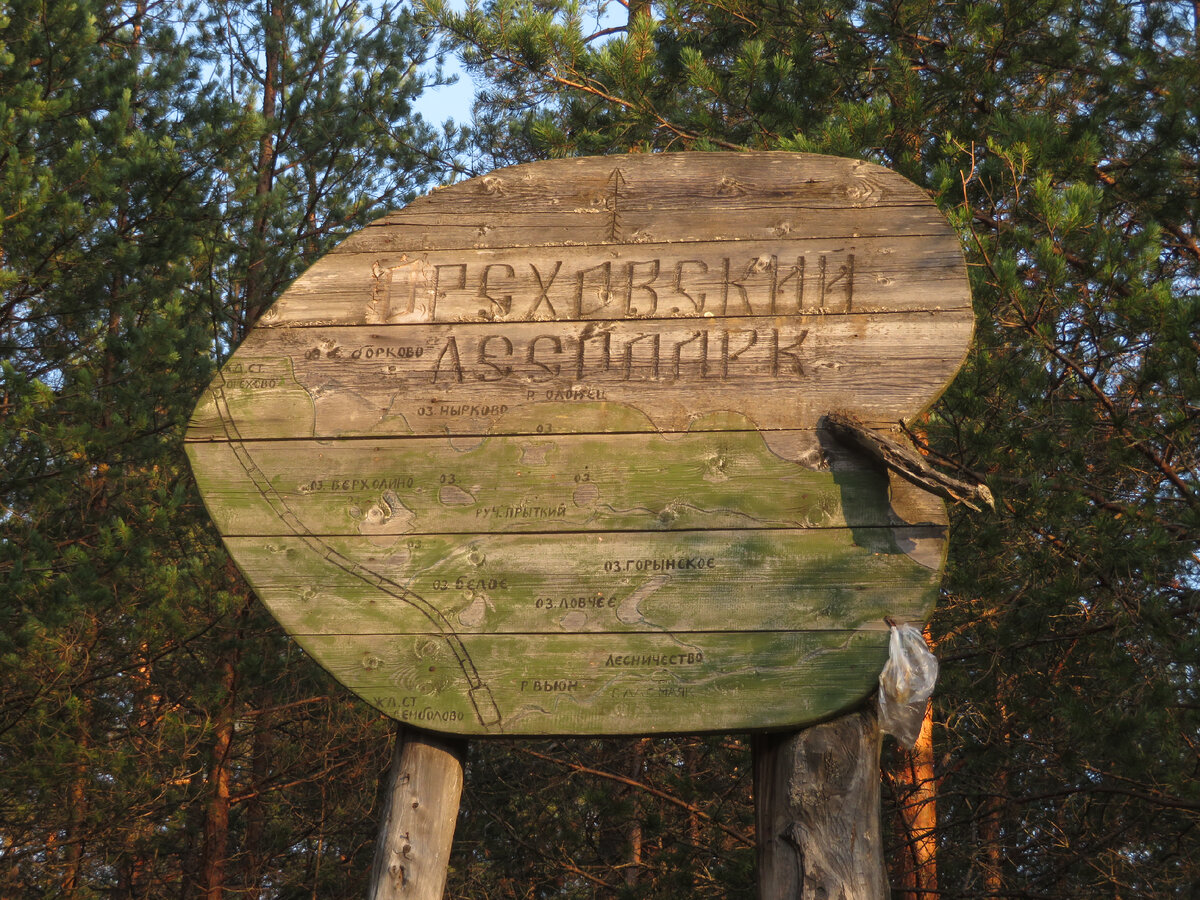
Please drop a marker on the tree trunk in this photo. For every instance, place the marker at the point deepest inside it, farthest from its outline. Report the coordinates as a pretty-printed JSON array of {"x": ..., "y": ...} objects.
[
  {"x": 420, "y": 807},
  {"x": 254, "y": 852},
  {"x": 76, "y": 817},
  {"x": 216, "y": 821},
  {"x": 692, "y": 755},
  {"x": 817, "y": 812},
  {"x": 915, "y": 786},
  {"x": 257, "y": 289},
  {"x": 633, "y": 868},
  {"x": 991, "y": 834}
]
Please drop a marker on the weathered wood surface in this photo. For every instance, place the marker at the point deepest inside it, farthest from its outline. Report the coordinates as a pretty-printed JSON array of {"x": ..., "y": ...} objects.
[
  {"x": 526, "y": 378},
  {"x": 816, "y": 795},
  {"x": 571, "y": 283},
  {"x": 907, "y": 463},
  {"x": 420, "y": 800},
  {"x": 540, "y": 453}
]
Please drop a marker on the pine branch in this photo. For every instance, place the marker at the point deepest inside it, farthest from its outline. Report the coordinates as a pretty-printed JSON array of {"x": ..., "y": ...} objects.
[{"x": 642, "y": 786}]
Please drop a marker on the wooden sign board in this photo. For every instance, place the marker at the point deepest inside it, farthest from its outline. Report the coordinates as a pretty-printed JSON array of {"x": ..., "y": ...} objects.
[{"x": 539, "y": 453}]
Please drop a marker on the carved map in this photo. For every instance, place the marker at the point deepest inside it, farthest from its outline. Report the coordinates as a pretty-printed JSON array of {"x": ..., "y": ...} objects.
[{"x": 539, "y": 454}]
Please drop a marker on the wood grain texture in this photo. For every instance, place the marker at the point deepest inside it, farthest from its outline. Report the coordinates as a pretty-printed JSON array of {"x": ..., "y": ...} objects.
[
  {"x": 582, "y": 684},
  {"x": 420, "y": 796},
  {"x": 541, "y": 453},
  {"x": 817, "y": 796},
  {"x": 655, "y": 280},
  {"x": 766, "y": 373}
]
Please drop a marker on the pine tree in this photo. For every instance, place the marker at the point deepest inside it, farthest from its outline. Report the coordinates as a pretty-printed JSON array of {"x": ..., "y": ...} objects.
[
  {"x": 98, "y": 355},
  {"x": 1061, "y": 140},
  {"x": 158, "y": 734}
]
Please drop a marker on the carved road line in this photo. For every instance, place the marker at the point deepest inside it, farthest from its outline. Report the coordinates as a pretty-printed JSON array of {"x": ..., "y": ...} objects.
[{"x": 478, "y": 692}]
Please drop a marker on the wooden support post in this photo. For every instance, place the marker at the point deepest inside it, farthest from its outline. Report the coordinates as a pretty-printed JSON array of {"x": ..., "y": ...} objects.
[
  {"x": 420, "y": 807},
  {"x": 816, "y": 799}
]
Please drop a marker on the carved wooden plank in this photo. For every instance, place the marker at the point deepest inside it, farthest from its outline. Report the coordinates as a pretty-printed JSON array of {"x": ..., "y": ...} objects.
[
  {"x": 564, "y": 283},
  {"x": 557, "y": 482},
  {"x": 602, "y": 583},
  {"x": 664, "y": 375},
  {"x": 422, "y": 229},
  {"x": 541, "y": 453},
  {"x": 613, "y": 683},
  {"x": 683, "y": 182}
]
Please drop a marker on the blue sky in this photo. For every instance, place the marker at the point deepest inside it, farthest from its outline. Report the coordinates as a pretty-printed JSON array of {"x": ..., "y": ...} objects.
[
  {"x": 450, "y": 102},
  {"x": 454, "y": 102}
]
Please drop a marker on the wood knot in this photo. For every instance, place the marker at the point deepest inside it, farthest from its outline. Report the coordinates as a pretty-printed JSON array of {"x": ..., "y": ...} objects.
[
  {"x": 730, "y": 187},
  {"x": 860, "y": 192},
  {"x": 398, "y": 873}
]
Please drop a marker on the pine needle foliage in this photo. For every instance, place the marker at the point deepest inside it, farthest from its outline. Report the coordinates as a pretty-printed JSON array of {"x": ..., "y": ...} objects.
[{"x": 165, "y": 170}]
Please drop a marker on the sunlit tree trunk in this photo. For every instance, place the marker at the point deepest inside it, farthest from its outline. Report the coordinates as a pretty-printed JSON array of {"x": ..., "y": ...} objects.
[
  {"x": 633, "y": 871},
  {"x": 254, "y": 851},
  {"x": 257, "y": 289},
  {"x": 76, "y": 816},
  {"x": 915, "y": 785},
  {"x": 216, "y": 822}
]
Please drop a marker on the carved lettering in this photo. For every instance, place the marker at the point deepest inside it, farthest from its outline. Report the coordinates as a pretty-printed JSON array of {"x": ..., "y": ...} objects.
[
  {"x": 399, "y": 708},
  {"x": 728, "y": 282},
  {"x": 792, "y": 364},
  {"x": 355, "y": 485},
  {"x": 795, "y": 275},
  {"x": 451, "y": 349},
  {"x": 605, "y": 357},
  {"x": 589, "y": 285},
  {"x": 651, "y": 361},
  {"x": 567, "y": 603},
  {"x": 377, "y": 352},
  {"x": 437, "y": 291},
  {"x": 501, "y": 372},
  {"x": 700, "y": 339},
  {"x": 726, "y": 356},
  {"x": 664, "y": 564},
  {"x": 692, "y": 264},
  {"x": 548, "y": 686},
  {"x": 642, "y": 289},
  {"x": 396, "y": 290},
  {"x": 575, "y": 287},
  {"x": 574, "y": 393},
  {"x": 545, "y": 290},
  {"x": 521, "y": 511},
  {"x": 500, "y": 306},
  {"x": 550, "y": 371},
  {"x": 467, "y": 583},
  {"x": 653, "y": 660},
  {"x": 845, "y": 275},
  {"x": 471, "y": 410}
]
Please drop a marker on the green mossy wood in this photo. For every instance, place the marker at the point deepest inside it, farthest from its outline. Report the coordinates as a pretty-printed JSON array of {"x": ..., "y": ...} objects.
[{"x": 539, "y": 454}]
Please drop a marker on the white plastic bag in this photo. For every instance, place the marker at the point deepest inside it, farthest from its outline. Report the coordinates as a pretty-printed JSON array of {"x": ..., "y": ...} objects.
[{"x": 906, "y": 684}]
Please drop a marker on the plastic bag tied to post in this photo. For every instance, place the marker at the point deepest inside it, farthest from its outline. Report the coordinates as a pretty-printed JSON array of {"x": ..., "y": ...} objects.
[{"x": 906, "y": 684}]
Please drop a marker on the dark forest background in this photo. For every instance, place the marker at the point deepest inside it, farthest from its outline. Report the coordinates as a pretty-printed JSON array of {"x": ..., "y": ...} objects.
[{"x": 167, "y": 169}]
